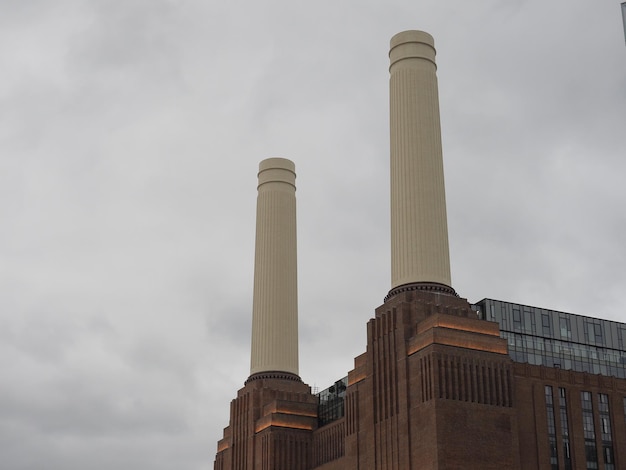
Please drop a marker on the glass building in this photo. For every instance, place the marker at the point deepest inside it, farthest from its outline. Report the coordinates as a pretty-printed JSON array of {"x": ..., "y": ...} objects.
[
  {"x": 557, "y": 339},
  {"x": 331, "y": 402}
]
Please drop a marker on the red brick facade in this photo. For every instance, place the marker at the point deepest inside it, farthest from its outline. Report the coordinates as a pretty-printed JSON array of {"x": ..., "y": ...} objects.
[{"x": 435, "y": 389}]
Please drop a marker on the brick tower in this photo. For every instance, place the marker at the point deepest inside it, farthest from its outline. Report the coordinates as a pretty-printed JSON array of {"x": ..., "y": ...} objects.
[
  {"x": 434, "y": 388},
  {"x": 274, "y": 414}
]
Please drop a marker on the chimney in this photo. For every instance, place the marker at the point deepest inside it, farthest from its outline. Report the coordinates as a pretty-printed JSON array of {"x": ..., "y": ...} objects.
[
  {"x": 275, "y": 296},
  {"x": 419, "y": 231}
]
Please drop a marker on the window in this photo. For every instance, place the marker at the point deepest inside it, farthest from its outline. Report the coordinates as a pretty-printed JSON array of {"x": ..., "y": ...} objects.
[
  {"x": 603, "y": 403},
  {"x": 561, "y": 340},
  {"x": 567, "y": 458},
  {"x": 589, "y": 432},
  {"x": 609, "y": 460},
  {"x": 621, "y": 336},
  {"x": 597, "y": 330},
  {"x": 605, "y": 430},
  {"x": 554, "y": 459},
  {"x": 529, "y": 322},
  {"x": 591, "y": 455},
  {"x": 593, "y": 332},
  {"x": 546, "y": 325},
  {"x": 517, "y": 320},
  {"x": 566, "y": 329}
]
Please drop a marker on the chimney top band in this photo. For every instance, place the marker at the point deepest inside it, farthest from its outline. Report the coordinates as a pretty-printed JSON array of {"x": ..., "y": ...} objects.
[
  {"x": 412, "y": 45},
  {"x": 277, "y": 170}
]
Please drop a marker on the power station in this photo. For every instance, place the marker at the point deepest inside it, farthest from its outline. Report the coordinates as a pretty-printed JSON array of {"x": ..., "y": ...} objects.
[{"x": 442, "y": 384}]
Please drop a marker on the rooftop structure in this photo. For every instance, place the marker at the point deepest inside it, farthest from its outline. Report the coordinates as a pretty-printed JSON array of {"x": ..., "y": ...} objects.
[{"x": 557, "y": 339}]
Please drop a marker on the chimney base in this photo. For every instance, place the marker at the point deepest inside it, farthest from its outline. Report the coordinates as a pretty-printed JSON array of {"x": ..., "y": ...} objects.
[
  {"x": 422, "y": 286},
  {"x": 274, "y": 375}
]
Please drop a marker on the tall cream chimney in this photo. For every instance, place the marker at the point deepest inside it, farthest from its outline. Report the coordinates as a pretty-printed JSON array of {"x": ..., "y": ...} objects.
[
  {"x": 275, "y": 296},
  {"x": 419, "y": 229}
]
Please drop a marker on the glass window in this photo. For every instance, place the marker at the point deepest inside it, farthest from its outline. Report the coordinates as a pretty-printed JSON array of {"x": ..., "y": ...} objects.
[
  {"x": 589, "y": 431},
  {"x": 597, "y": 329},
  {"x": 605, "y": 418},
  {"x": 567, "y": 459},
  {"x": 331, "y": 402},
  {"x": 517, "y": 320},
  {"x": 566, "y": 329},
  {"x": 529, "y": 322},
  {"x": 564, "y": 426},
  {"x": 603, "y": 403},
  {"x": 546, "y": 324},
  {"x": 591, "y": 454},
  {"x": 609, "y": 460},
  {"x": 554, "y": 460},
  {"x": 581, "y": 345},
  {"x": 588, "y": 425},
  {"x": 566, "y": 454}
]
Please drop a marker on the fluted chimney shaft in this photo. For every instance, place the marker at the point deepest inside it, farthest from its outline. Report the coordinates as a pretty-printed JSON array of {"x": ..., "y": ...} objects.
[
  {"x": 419, "y": 229},
  {"x": 275, "y": 296}
]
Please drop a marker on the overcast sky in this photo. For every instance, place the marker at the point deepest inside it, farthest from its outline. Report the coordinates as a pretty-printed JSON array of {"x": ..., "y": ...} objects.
[{"x": 130, "y": 137}]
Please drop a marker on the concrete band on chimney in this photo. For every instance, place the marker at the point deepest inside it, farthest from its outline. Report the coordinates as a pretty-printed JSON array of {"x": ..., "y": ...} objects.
[
  {"x": 420, "y": 256},
  {"x": 275, "y": 296}
]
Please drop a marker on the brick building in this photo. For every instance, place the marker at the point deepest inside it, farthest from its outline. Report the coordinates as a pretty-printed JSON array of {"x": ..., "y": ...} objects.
[{"x": 443, "y": 384}]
